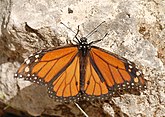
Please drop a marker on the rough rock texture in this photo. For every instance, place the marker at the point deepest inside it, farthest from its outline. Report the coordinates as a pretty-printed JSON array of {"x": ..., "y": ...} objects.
[{"x": 136, "y": 31}]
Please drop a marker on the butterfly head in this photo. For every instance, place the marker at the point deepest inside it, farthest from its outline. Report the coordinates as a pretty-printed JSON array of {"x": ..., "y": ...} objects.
[
  {"x": 83, "y": 40},
  {"x": 84, "y": 46}
]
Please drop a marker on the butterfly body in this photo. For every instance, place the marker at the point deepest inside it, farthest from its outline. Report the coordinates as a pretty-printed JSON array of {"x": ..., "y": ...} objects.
[{"x": 82, "y": 71}]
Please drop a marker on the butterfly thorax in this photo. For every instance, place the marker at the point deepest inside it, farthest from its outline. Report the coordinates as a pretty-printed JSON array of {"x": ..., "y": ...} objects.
[{"x": 84, "y": 46}]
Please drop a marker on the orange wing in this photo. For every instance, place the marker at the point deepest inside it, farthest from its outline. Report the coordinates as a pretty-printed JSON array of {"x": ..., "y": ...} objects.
[
  {"x": 94, "y": 85},
  {"x": 58, "y": 68},
  {"x": 106, "y": 73},
  {"x": 66, "y": 86}
]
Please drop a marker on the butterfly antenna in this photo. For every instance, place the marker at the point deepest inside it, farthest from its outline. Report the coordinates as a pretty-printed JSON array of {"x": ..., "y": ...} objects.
[
  {"x": 98, "y": 40},
  {"x": 73, "y": 32},
  {"x": 68, "y": 27},
  {"x": 94, "y": 30},
  {"x": 77, "y": 34},
  {"x": 81, "y": 109}
]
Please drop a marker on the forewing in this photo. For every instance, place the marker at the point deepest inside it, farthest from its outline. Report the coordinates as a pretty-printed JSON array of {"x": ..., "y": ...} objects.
[
  {"x": 117, "y": 71},
  {"x": 42, "y": 66}
]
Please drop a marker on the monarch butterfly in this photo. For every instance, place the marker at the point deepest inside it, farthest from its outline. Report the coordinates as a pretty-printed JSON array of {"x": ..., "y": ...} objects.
[{"x": 81, "y": 72}]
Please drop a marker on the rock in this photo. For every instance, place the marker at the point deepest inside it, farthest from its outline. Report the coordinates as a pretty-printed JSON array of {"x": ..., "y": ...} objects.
[{"x": 135, "y": 31}]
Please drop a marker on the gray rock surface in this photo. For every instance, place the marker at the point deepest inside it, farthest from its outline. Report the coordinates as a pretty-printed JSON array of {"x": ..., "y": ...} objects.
[{"x": 136, "y": 31}]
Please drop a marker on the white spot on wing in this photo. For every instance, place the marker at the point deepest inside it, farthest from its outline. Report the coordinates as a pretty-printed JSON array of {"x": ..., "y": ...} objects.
[
  {"x": 15, "y": 75},
  {"x": 27, "y": 69},
  {"x": 28, "y": 75},
  {"x": 31, "y": 55},
  {"x": 36, "y": 60},
  {"x": 27, "y": 61},
  {"x": 138, "y": 73},
  {"x": 130, "y": 66},
  {"x": 36, "y": 56}
]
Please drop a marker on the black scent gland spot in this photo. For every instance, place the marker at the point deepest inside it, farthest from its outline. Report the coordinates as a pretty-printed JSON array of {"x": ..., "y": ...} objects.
[{"x": 88, "y": 82}]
